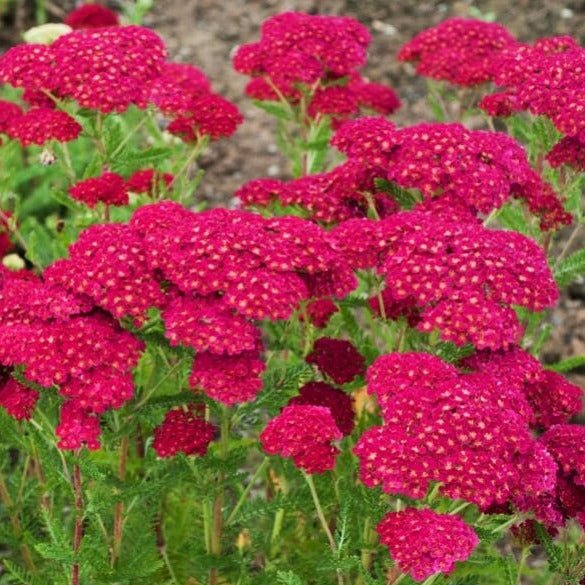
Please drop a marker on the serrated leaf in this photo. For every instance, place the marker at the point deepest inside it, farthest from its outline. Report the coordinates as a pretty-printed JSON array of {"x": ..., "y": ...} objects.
[
  {"x": 288, "y": 578},
  {"x": 570, "y": 268},
  {"x": 567, "y": 365},
  {"x": 513, "y": 217},
  {"x": 276, "y": 109},
  {"x": 554, "y": 552},
  {"x": 509, "y": 569},
  {"x": 54, "y": 552},
  {"x": 403, "y": 197}
]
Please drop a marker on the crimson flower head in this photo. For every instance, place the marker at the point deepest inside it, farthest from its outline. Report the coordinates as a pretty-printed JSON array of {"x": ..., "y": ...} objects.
[
  {"x": 91, "y": 16},
  {"x": 183, "y": 431},
  {"x": 304, "y": 433},
  {"x": 109, "y": 189},
  {"x": 177, "y": 87},
  {"x": 77, "y": 428},
  {"x": 465, "y": 431},
  {"x": 569, "y": 151},
  {"x": 319, "y": 45},
  {"x": 551, "y": 398},
  {"x": 476, "y": 169},
  {"x": 566, "y": 443},
  {"x": 18, "y": 400},
  {"x": 29, "y": 66},
  {"x": 337, "y": 358},
  {"x": 149, "y": 181},
  {"x": 40, "y": 125},
  {"x": 545, "y": 78},
  {"x": 337, "y": 401},
  {"x": 208, "y": 324},
  {"x": 423, "y": 542},
  {"x": 8, "y": 111},
  {"x": 320, "y": 311},
  {"x": 230, "y": 379},
  {"x": 107, "y": 69},
  {"x": 210, "y": 115},
  {"x": 457, "y": 50},
  {"x": 462, "y": 278},
  {"x": 320, "y": 53}
]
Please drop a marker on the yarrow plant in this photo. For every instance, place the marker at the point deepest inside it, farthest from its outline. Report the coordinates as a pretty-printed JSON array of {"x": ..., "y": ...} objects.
[{"x": 338, "y": 380}]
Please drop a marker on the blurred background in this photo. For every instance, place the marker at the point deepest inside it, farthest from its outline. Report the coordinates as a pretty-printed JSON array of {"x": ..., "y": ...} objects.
[{"x": 205, "y": 33}]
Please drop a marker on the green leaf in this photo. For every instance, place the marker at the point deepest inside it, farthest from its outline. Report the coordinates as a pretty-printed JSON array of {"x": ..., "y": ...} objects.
[
  {"x": 513, "y": 217},
  {"x": 568, "y": 364},
  {"x": 54, "y": 552},
  {"x": 570, "y": 268},
  {"x": 276, "y": 109},
  {"x": 405, "y": 198},
  {"x": 553, "y": 551},
  {"x": 288, "y": 578},
  {"x": 509, "y": 569}
]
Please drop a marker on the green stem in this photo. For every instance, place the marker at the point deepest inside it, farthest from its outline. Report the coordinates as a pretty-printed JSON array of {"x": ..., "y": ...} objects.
[
  {"x": 79, "y": 513},
  {"x": 324, "y": 524},
  {"x": 248, "y": 489},
  {"x": 217, "y": 520},
  {"x": 198, "y": 148},
  {"x": 6, "y": 500},
  {"x": 128, "y": 136},
  {"x": 67, "y": 160},
  {"x": 522, "y": 561}
]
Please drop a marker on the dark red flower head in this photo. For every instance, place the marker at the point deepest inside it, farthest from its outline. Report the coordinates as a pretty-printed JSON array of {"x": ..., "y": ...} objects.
[
  {"x": 423, "y": 542},
  {"x": 337, "y": 401},
  {"x": 183, "y": 431},
  {"x": 338, "y": 359},
  {"x": 91, "y": 16}
]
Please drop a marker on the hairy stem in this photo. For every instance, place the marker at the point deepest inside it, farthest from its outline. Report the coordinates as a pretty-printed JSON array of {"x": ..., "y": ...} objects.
[
  {"x": 217, "y": 521},
  {"x": 119, "y": 508},
  {"x": 245, "y": 493},
  {"x": 78, "y": 533},
  {"x": 324, "y": 524}
]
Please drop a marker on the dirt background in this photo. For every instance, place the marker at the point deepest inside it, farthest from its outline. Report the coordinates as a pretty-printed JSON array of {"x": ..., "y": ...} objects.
[{"x": 206, "y": 32}]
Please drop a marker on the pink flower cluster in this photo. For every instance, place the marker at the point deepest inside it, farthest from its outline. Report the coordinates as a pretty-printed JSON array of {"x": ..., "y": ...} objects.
[
  {"x": 461, "y": 278},
  {"x": 458, "y": 173},
  {"x": 112, "y": 189},
  {"x": 18, "y": 400},
  {"x": 320, "y": 55},
  {"x": 468, "y": 431},
  {"x": 566, "y": 500},
  {"x": 547, "y": 79},
  {"x": 63, "y": 339},
  {"x": 423, "y": 542},
  {"x": 108, "y": 69},
  {"x": 211, "y": 274},
  {"x": 303, "y": 433},
  {"x": 183, "y": 431},
  {"x": 329, "y": 197},
  {"x": 543, "y": 397},
  {"x": 458, "y": 50},
  {"x": 480, "y": 170},
  {"x": 337, "y": 401}
]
